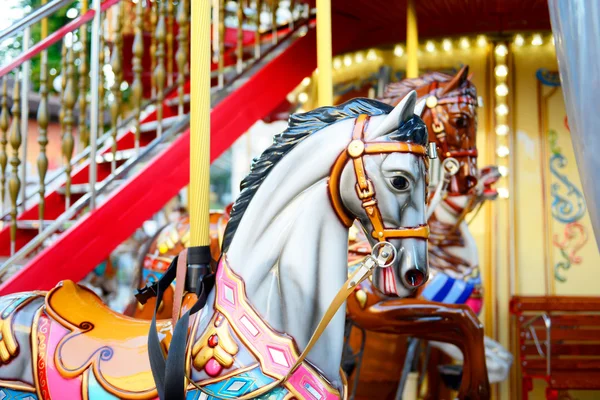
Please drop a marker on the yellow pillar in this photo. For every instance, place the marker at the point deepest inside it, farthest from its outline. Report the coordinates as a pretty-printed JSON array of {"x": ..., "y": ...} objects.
[
  {"x": 324, "y": 56},
  {"x": 199, "y": 188},
  {"x": 412, "y": 41}
]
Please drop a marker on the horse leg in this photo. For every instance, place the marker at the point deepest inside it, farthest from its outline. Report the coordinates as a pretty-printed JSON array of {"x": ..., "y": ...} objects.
[{"x": 454, "y": 324}]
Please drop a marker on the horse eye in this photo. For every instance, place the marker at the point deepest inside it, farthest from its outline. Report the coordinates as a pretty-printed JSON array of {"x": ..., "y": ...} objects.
[
  {"x": 461, "y": 122},
  {"x": 400, "y": 183}
]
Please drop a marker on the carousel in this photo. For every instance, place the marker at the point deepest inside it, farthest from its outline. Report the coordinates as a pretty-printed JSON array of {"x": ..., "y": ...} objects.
[{"x": 207, "y": 200}]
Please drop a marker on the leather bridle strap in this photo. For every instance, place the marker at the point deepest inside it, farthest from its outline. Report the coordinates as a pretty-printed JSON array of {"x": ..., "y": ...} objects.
[{"x": 365, "y": 191}]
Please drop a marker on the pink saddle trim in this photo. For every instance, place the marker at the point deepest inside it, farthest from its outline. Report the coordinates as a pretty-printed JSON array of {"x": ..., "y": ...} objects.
[
  {"x": 275, "y": 351},
  {"x": 59, "y": 387}
]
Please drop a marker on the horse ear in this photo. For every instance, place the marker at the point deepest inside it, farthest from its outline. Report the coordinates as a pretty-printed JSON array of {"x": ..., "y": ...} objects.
[
  {"x": 420, "y": 107},
  {"x": 458, "y": 80},
  {"x": 402, "y": 112}
]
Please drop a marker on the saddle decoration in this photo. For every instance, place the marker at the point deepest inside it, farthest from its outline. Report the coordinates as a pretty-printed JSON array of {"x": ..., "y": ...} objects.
[{"x": 276, "y": 352}]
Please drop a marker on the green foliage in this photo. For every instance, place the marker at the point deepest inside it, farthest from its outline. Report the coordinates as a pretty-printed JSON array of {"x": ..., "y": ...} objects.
[{"x": 55, "y": 21}]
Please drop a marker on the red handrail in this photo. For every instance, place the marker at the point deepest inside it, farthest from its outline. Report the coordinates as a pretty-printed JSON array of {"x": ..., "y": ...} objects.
[{"x": 54, "y": 37}]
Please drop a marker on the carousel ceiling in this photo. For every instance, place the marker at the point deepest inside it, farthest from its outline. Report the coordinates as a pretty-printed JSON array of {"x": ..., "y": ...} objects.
[{"x": 359, "y": 24}]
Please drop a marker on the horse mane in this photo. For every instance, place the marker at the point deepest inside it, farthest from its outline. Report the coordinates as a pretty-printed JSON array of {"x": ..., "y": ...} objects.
[
  {"x": 395, "y": 91},
  {"x": 300, "y": 126}
]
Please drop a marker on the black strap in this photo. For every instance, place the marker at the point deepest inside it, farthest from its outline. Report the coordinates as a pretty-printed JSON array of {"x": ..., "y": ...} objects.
[{"x": 169, "y": 373}]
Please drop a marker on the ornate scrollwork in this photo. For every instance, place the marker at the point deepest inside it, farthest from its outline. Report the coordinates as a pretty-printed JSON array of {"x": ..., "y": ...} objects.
[{"x": 574, "y": 238}]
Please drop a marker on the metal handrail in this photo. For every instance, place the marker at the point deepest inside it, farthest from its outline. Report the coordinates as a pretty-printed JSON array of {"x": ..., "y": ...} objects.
[
  {"x": 54, "y": 37},
  {"x": 86, "y": 200},
  {"x": 80, "y": 204},
  {"x": 37, "y": 15}
]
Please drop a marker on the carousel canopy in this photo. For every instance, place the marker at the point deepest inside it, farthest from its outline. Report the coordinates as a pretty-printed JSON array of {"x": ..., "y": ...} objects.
[{"x": 359, "y": 24}]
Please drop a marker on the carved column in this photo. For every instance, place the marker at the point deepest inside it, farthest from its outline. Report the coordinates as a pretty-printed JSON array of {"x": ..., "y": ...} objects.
[
  {"x": 159, "y": 72},
  {"x": 259, "y": 5},
  {"x": 182, "y": 39},
  {"x": 42, "y": 119},
  {"x": 14, "y": 183},
  {"x": 137, "y": 89},
  {"x": 68, "y": 141},
  {"x": 153, "y": 22},
  {"x": 170, "y": 39},
  {"x": 4, "y": 124},
  {"x": 84, "y": 135},
  {"x": 115, "y": 106}
]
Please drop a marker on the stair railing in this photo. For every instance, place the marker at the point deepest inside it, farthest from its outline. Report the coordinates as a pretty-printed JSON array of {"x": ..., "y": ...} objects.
[{"x": 102, "y": 82}]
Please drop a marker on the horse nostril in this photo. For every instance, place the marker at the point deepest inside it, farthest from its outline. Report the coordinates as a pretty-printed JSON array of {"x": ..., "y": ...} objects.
[
  {"x": 414, "y": 277},
  {"x": 471, "y": 181}
]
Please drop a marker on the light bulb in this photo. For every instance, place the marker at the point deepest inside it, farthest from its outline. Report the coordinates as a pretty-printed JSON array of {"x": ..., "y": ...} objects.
[
  {"x": 306, "y": 81},
  {"x": 371, "y": 55},
  {"x": 502, "y": 109},
  {"x": 464, "y": 43},
  {"x": 398, "y": 51},
  {"x": 503, "y": 193},
  {"x": 501, "y": 50},
  {"x": 429, "y": 46},
  {"x": 537, "y": 40},
  {"x": 502, "y": 130},
  {"x": 502, "y": 151},
  {"x": 447, "y": 44},
  {"x": 359, "y": 58},
  {"x": 347, "y": 60},
  {"x": 501, "y": 70},
  {"x": 503, "y": 170},
  {"x": 337, "y": 63},
  {"x": 519, "y": 41},
  {"x": 481, "y": 41},
  {"x": 302, "y": 97},
  {"x": 502, "y": 90}
]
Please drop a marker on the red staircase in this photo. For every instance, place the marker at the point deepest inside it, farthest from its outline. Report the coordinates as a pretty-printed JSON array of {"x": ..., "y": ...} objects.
[{"x": 165, "y": 171}]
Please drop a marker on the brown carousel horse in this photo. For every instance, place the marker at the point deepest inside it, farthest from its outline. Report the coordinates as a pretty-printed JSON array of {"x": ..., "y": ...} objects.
[
  {"x": 279, "y": 282},
  {"x": 449, "y": 303}
]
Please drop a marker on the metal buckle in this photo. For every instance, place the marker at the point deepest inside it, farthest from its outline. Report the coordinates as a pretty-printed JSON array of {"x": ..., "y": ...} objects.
[
  {"x": 147, "y": 292},
  {"x": 365, "y": 193},
  {"x": 437, "y": 127}
]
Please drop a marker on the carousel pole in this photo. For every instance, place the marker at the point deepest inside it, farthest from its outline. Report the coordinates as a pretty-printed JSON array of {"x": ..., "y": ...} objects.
[
  {"x": 412, "y": 41},
  {"x": 324, "y": 54},
  {"x": 199, "y": 189}
]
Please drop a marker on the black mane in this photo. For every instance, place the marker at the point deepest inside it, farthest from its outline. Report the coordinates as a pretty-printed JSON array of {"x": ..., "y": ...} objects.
[{"x": 300, "y": 127}]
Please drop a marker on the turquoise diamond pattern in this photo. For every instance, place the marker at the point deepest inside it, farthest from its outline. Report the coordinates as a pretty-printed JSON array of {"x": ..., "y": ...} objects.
[
  {"x": 236, "y": 386},
  {"x": 9, "y": 394}
]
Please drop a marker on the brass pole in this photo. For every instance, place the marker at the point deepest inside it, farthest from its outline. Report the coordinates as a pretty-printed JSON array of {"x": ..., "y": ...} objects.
[
  {"x": 159, "y": 72},
  {"x": 170, "y": 37},
  {"x": 274, "y": 6},
  {"x": 412, "y": 41},
  {"x": 115, "y": 62},
  {"x": 42, "y": 119},
  {"x": 259, "y": 5},
  {"x": 240, "y": 37},
  {"x": 4, "y": 125},
  {"x": 181, "y": 56},
  {"x": 84, "y": 136},
  {"x": 101, "y": 90},
  {"x": 200, "y": 124},
  {"x": 221, "y": 66},
  {"x": 324, "y": 56},
  {"x": 68, "y": 141},
  {"x": 137, "y": 89},
  {"x": 14, "y": 183},
  {"x": 153, "y": 22}
]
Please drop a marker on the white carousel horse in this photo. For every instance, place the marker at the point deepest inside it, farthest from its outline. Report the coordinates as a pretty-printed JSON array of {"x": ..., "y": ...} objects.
[{"x": 284, "y": 263}]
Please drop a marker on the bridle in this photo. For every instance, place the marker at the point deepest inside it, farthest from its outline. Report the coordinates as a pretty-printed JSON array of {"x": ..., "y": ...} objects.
[
  {"x": 434, "y": 104},
  {"x": 356, "y": 150}
]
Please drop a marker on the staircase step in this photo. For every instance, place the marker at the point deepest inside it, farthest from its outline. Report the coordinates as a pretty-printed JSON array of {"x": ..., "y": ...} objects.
[
  {"x": 120, "y": 155},
  {"x": 152, "y": 126},
  {"x": 35, "y": 224},
  {"x": 175, "y": 100},
  {"x": 83, "y": 188}
]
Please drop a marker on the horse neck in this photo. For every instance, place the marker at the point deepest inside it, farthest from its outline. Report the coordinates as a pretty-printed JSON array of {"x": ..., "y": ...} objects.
[
  {"x": 291, "y": 250},
  {"x": 448, "y": 217}
]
